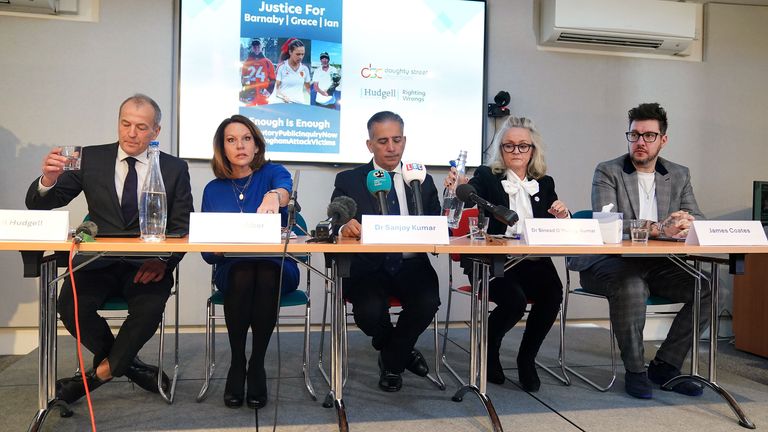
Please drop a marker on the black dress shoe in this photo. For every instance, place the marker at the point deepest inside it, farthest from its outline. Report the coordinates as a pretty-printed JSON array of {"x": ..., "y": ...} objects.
[
  {"x": 232, "y": 400},
  {"x": 256, "y": 401},
  {"x": 390, "y": 381},
  {"x": 71, "y": 389},
  {"x": 417, "y": 364},
  {"x": 257, "y": 385},
  {"x": 145, "y": 376},
  {"x": 235, "y": 387},
  {"x": 529, "y": 378}
]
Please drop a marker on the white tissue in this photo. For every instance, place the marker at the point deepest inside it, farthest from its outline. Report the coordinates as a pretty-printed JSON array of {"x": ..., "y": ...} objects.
[{"x": 607, "y": 208}]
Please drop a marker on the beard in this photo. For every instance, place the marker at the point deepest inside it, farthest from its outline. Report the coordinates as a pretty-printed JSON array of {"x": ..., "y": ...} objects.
[{"x": 644, "y": 161}]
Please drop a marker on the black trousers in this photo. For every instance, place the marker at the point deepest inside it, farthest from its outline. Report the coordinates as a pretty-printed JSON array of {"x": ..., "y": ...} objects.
[
  {"x": 416, "y": 286},
  {"x": 535, "y": 281},
  {"x": 146, "y": 303}
]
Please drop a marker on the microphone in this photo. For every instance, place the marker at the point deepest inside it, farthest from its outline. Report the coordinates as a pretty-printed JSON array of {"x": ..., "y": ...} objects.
[
  {"x": 293, "y": 205},
  {"x": 85, "y": 232},
  {"x": 414, "y": 175},
  {"x": 379, "y": 183},
  {"x": 340, "y": 211},
  {"x": 466, "y": 192}
]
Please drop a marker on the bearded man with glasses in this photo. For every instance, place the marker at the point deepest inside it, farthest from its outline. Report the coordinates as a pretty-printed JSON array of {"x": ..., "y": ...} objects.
[{"x": 642, "y": 185}]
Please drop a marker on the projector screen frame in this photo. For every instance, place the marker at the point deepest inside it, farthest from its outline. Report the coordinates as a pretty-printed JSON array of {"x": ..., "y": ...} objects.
[{"x": 175, "y": 117}]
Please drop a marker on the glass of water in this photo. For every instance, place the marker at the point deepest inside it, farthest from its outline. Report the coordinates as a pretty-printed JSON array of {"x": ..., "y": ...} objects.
[
  {"x": 639, "y": 230},
  {"x": 478, "y": 227},
  {"x": 72, "y": 153}
]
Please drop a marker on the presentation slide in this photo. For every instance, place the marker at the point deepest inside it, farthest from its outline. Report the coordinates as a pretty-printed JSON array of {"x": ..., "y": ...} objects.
[{"x": 311, "y": 73}]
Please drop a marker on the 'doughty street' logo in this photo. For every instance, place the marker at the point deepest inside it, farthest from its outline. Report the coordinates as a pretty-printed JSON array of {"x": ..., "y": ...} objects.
[{"x": 372, "y": 72}]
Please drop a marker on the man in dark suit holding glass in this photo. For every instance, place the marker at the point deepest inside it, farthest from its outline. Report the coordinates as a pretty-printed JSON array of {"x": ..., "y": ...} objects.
[{"x": 111, "y": 176}]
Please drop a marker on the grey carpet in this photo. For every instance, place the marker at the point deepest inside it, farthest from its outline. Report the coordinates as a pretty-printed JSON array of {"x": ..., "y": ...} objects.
[{"x": 120, "y": 406}]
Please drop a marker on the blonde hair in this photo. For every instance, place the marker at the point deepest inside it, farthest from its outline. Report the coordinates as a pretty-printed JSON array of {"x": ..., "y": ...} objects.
[{"x": 537, "y": 166}]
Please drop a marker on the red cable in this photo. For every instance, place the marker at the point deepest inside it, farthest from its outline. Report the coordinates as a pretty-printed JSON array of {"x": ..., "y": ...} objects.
[{"x": 77, "y": 334}]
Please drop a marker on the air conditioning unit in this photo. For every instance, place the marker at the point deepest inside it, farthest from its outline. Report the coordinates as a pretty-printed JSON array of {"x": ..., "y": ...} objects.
[
  {"x": 30, "y": 6},
  {"x": 645, "y": 26}
]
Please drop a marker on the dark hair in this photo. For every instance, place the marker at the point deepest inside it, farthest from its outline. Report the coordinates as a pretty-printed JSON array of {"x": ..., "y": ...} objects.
[
  {"x": 255, "y": 42},
  {"x": 288, "y": 47},
  {"x": 649, "y": 111},
  {"x": 141, "y": 99},
  {"x": 222, "y": 169},
  {"x": 381, "y": 117}
]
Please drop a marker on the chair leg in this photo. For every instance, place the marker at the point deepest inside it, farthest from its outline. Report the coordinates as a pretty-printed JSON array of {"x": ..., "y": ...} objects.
[
  {"x": 561, "y": 376},
  {"x": 579, "y": 375},
  {"x": 169, "y": 395},
  {"x": 210, "y": 363},
  {"x": 437, "y": 379},
  {"x": 305, "y": 358},
  {"x": 345, "y": 350},
  {"x": 444, "y": 357},
  {"x": 322, "y": 338}
]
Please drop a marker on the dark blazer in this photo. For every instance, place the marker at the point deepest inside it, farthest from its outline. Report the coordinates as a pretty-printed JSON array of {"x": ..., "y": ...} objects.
[
  {"x": 352, "y": 183},
  {"x": 488, "y": 186},
  {"x": 615, "y": 181},
  {"x": 96, "y": 179}
]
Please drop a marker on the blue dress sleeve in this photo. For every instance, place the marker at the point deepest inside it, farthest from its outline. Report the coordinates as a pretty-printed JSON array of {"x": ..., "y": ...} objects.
[{"x": 281, "y": 178}]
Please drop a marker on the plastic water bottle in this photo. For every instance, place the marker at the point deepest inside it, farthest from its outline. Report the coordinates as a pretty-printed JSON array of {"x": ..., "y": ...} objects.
[
  {"x": 452, "y": 206},
  {"x": 153, "y": 205}
]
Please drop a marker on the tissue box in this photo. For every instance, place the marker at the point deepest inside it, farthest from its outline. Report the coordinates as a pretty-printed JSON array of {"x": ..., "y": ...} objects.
[{"x": 611, "y": 226}]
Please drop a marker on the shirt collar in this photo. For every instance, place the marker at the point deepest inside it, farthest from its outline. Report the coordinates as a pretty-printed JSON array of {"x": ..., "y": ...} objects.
[
  {"x": 121, "y": 155},
  {"x": 629, "y": 168}
]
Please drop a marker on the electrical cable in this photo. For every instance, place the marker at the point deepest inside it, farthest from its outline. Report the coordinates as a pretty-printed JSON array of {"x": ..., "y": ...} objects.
[
  {"x": 77, "y": 335},
  {"x": 288, "y": 231},
  {"x": 488, "y": 147}
]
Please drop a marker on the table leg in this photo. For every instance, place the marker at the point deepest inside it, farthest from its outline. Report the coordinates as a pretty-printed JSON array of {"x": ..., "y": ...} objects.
[
  {"x": 694, "y": 375},
  {"x": 335, "y": 396},
  {"x": 478, "y": 350},
  {"x": 46, "y": 378}
]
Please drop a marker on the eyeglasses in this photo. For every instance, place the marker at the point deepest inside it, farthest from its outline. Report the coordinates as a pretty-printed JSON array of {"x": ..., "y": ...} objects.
[
  {"x": 522, "y": 148},
  {"x": 648, "y": 137}
]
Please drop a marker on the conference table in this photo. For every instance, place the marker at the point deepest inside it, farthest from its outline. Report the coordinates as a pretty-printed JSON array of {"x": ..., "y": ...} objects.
[
  {"x": 490, "y": 254},
  {"x": 495, "y": 253},
  {"x": 37, "y": 264}
]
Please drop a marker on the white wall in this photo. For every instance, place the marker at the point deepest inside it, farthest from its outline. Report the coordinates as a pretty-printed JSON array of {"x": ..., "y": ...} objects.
[{"x": 62, "y": 82}]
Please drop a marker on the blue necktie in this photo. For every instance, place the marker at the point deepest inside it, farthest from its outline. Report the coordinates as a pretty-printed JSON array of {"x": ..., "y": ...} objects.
[
  {"x": 393, "y": 261},
  {"x": 129, "y": 203}
]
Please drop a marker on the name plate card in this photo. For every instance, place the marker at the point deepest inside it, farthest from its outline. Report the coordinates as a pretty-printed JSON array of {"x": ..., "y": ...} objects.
[
  {"x": 234, "y": 228},
  {"x": 394, "y": 229},
  {"x": 726, "y": 233},
  {"x": 34, "y": 225},
  {"x": 576, "y": 232}
]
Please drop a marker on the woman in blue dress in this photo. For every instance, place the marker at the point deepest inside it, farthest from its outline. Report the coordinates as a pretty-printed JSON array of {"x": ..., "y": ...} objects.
[{"x": 247, "y": 183}]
